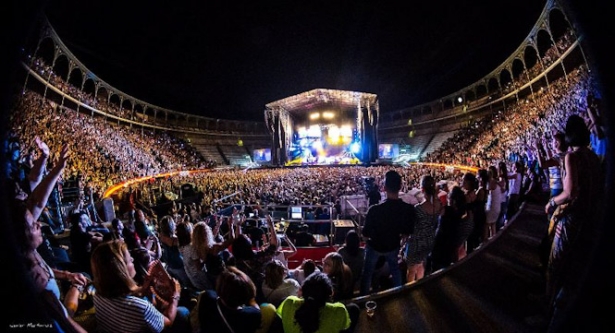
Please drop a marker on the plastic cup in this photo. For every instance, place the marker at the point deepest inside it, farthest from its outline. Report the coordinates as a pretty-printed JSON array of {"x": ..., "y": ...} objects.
[{"x": 370, "y": 308}]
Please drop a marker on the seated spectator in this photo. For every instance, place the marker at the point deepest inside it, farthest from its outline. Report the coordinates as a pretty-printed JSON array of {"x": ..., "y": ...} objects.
[
  {"x": 282, "y": 254},
  {"x": 340, "y": 275},
  {"x": 276, "y": 286},
  {"x": 208, "y": 251},
  {"x": 232, "y": 307},
  {"x": 194, "y": 267},
  {"x": 304, "y": 237},
  {"x": 118, "y": 295},
  {"x": 142, "y": 257},
  {"x": 170, "y": 251},
  {"x": 313, "y": 311},
  {"x": 307, "y": 267},
  {"x": 353, "y": 255},
  {"x": 82, "y": 241},
  {"x": 252, "y": 261},
  {"x": 117, "y": 230},
  {"x": 143, "y": 226}
]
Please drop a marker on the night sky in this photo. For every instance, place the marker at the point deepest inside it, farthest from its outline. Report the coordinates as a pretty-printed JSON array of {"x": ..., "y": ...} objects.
[{"x": 227, "y": 59}]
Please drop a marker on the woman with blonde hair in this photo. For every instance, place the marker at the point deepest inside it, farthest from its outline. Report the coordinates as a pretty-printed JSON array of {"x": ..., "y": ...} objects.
[
  {"x": 208, "y": 251},
  {"x": 119, "y": 296}
]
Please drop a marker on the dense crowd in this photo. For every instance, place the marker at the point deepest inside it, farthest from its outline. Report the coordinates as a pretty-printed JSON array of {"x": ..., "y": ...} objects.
[{"x": 223, "y": 278}]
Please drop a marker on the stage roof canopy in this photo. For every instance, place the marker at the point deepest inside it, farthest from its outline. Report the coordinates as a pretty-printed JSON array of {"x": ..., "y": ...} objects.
[{"x": 317, "y": 98}]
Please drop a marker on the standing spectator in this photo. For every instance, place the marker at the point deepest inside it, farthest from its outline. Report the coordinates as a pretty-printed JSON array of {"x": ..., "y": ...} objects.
[
  {"x": 552, "y": 159},
  {"x": 385, "y": 225},
  {"x": 477, "y": 206},
  {"x": 595, "y": 124},
  {"x": 466, "y": 226},
  {"x": 418, "y": 247},
  {"x": 576, "y": 216},
  {"x": 493, "y": 205},
  {"x": 373, "y": 195},
  {"x": 504, "y": 185},
  {"x": 448, "y": 239},
  {"x": 515, "y": 179}
]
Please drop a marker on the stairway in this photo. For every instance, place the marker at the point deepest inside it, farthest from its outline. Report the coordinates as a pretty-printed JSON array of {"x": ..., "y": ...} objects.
[{"x": 491, "y": 290}]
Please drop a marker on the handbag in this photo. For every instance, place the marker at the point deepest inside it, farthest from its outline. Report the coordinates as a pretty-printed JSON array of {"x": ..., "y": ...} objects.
[
  {"x": 222, "y": 315},
  {"x": 560, "y": 212},
  {"x": 162, "y": 284}
]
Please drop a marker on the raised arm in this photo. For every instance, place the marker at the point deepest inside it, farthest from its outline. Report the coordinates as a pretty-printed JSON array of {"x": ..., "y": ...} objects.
[
  {"x": 293, "y": 248},
  {"x": 38, "y": 169},
  {"x": 40, "y": 195},
  {"x": 273, "y": 239}
]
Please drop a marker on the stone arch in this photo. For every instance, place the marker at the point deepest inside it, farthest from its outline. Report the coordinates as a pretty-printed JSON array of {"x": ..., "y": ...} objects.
[
  {"x": 470, "y": 96},
  {"x": 115, "y": 101},
  {"x": 493, "y": 85},
  {"x": 481, "y": 90},
  {"x": 530, "y": 56},
  {"x": 558, "y": 25},
  {"x": 518, "y": 68},
  {"x": 89, "y": 87},
  {"x": 75, "y": 78},
  {"x": 61, "y": 66},
  {"x": 102, "y": 94},
  {"x": 447, "y": 104},
  {"x": 505, "y": 78},
  {"x": 46, "y": 51},
  {"x": 543, "y": 42}
]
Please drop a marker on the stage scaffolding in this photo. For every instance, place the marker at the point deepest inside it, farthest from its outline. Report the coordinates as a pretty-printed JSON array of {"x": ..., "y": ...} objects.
[{"x": 280, "y": 116}]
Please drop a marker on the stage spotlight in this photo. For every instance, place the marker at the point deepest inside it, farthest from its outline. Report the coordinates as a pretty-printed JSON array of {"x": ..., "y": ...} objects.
[
  {"x": 346, "y": 131},
  {"x": 328, "y": 115},
  {"x": 355, "y": 148}
]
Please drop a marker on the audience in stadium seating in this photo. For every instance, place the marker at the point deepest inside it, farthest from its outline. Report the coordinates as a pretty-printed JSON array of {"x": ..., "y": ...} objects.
[
  {"x": 118, "y": 295},
  {"x": 420, "y": 245},
  {"x": 313, "y": 310},
  {"x": 340, "y": 274},
  {"x": 276, "y": 285},
  {"x": 354, "y": 255},
  {"x": 110, "y": 153},
  {"x": 232, "y": 306}
]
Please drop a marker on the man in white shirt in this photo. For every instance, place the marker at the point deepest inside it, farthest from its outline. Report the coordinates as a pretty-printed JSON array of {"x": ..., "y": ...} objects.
[{"x": 514, "y": 189}]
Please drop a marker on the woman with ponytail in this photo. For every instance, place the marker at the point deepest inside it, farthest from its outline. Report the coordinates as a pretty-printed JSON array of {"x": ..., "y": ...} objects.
[{"x": 312, "y": 310}]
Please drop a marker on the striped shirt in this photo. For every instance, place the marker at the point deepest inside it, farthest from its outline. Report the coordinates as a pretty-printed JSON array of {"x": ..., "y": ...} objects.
[{"x": 127, "y": 314}]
